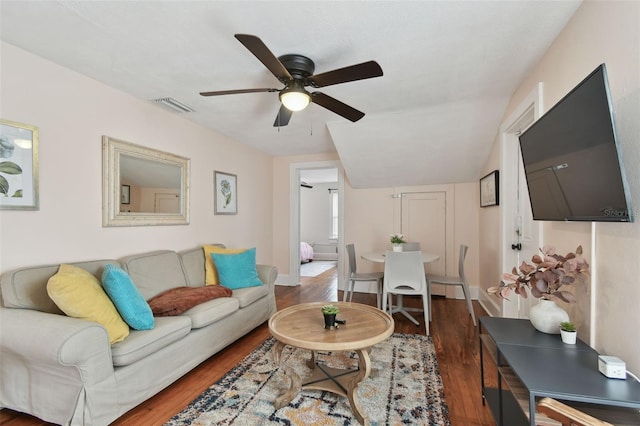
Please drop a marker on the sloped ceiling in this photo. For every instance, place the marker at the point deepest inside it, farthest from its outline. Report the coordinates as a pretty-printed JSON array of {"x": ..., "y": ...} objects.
[{"x": 449, "y": 69}]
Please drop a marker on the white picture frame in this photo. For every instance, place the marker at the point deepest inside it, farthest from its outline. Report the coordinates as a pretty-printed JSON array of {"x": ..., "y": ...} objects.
[
  {"x": 19, "y": 167},
  {"x": 225, "y": 193}
]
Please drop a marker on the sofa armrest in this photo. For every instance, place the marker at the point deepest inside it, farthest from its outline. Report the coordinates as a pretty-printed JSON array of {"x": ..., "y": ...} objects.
[
  {"x": 268, "y": 275},
  {"x": 52, "y": 342}
]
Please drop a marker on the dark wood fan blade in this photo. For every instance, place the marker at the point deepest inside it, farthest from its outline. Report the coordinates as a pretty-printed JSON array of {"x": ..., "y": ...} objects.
[
  {"x": 264, "y": 55},
  {"x": 283, "y": 117},
  {"x": 235, "y": 92},
  {"x": 336, "y": 106},
  {"x": 342, "y": 75}
]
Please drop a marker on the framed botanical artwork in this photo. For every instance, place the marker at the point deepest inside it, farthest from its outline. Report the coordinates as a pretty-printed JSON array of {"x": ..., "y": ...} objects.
[
  {"x": 226, "y": 193},
  {"x": 490, "y": 189},
  {"x": 125, "y": 194},
  {"x": 18, "y": 166}
]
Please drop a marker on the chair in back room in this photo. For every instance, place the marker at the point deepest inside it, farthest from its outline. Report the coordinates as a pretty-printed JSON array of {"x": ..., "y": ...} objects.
[
  {"x": 355, "y": 276},
  {"x": 460, "y": 280},
  {"x": 411, "y": 246}
]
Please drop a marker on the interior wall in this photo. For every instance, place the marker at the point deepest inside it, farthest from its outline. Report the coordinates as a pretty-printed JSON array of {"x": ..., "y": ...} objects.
[
  {"x": 370, "y": 216},
  {"x": 600, "y": 32},
  {"x": 315, "y": 213},
  {"x": 72, "y": 113},
  {"x": 489, "y": 230},
  {"x": 281, "y": 205}
]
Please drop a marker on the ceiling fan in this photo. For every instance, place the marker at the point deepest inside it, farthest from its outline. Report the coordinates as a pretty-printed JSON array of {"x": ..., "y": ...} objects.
[{"x": 296, "y": 72}]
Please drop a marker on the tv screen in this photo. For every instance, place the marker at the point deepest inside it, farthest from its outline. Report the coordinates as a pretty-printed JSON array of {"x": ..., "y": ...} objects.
[{"x": 572, "y": 159}]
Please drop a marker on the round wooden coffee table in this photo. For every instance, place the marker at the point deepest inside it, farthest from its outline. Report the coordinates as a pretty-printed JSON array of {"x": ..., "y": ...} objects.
[{"x": 302, "y": 326}]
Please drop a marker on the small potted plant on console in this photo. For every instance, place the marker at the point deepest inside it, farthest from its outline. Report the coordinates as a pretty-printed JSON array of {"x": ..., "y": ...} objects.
[
  {"x": 330, "y": 312},
  {"x": 568, "y": 332}
]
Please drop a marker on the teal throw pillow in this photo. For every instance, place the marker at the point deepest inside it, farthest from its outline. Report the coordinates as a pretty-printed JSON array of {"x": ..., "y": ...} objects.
[
  {"x": 134, "y": 310},
  {"x": 237, "y": 270}
]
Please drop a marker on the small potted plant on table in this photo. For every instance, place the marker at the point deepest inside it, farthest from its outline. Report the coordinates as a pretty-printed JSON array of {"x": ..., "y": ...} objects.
[
  {"x": 397, "y": 240},
  {"x": 330, "y": 312},
  {"x": 568, "y": 332}
]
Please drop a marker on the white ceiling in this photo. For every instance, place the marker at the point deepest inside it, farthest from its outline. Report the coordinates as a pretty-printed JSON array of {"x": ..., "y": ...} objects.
[{"x": 450, "y": 68}]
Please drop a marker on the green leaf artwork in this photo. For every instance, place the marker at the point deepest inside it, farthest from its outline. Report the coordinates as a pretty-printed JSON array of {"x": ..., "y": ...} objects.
[
  {"x": 4, "y": 186},
  {"x": 225, "y": 189},
  {"x": 9, "y": 168}
]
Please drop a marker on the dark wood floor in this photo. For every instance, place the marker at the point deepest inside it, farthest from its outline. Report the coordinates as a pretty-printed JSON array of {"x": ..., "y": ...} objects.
[{"x": 452, "y": 331}]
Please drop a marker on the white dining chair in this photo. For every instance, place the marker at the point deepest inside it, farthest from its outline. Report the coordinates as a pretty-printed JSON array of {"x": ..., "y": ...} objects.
[
  {"x": 460, "y": 280},
  {"x": 355, "y": 276},
  {"x": 404, "y": 275},
  {"x": 411, "y": 246}
]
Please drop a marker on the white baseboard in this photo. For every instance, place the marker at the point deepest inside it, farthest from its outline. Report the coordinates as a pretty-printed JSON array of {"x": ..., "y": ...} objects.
[
  {"x": 490, "y": 304},
  {"x": 283, "y": 279},
  {"x": 325, "y": 256}
]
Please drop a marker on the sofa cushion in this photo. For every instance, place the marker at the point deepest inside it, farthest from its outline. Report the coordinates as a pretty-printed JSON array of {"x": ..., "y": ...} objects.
[
  {"x": 27, "y": 287},
  {"x": 211, "y": 273},
  {"x": 177, "y": 300},
  {"x": 155, "y": 272},
  {"x": 237, "y": 270},
  {"x": 142, "y": 343},
  {"x": 79, "y": 295},
  {"x": 128, "y": 300},
  {"x": 209, "y": 312},
  {"x": 247, "y": 296},
  {"x": 192, "y": 261}
]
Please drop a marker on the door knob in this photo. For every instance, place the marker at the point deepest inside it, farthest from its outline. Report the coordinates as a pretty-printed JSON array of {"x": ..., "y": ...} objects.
[{"x": 516, "y": 246}]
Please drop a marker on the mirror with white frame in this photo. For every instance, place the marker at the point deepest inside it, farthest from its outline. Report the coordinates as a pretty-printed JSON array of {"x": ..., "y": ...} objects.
[{"x": 143, "y": 186}]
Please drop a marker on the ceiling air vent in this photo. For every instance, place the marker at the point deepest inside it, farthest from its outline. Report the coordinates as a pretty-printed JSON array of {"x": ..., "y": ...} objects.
[{"x": 173, "y": 104}]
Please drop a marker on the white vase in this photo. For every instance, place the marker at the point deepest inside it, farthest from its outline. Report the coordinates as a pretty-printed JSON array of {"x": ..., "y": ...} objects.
[
  {"x": 397, "y": 247},
  {"x": 546, "y": 316},
  {"x": 568, "y": 337}
]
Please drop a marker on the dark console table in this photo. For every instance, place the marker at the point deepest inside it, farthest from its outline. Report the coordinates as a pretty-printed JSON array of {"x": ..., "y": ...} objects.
[{"x": 533, "y": 365}]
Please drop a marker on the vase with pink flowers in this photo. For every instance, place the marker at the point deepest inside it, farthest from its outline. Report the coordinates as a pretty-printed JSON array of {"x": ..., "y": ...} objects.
[{"x": 547, "y": 278}]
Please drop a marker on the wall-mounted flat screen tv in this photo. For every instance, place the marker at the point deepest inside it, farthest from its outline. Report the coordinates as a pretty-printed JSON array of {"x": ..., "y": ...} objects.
[{"x": 572, "y": 159}]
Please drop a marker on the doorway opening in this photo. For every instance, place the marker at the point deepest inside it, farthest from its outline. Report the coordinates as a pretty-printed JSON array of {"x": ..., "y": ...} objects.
[
  {"x": 317, "y": 212},
  {"x": 520, "y": 235}
]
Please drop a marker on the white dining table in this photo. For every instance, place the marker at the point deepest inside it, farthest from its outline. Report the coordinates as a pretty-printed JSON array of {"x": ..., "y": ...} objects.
[{"x": 379, "y": 256}]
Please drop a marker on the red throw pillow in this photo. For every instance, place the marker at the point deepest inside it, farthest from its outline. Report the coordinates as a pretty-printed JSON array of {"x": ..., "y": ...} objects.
[{"x": 177, "y": 300}]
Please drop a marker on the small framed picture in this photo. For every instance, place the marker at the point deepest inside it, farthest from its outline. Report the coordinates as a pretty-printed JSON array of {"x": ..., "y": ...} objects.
[
  {"x": 125, "y": 194},
  {"x": 226, "y": 193},
  {"x": 490, "y": 189},
  {"x": 18, "y": 166}
]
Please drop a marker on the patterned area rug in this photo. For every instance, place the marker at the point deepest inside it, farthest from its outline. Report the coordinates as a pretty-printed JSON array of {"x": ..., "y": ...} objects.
[
  {"x": 317, "y": 267},
  {"x": 404, "y": 387}
]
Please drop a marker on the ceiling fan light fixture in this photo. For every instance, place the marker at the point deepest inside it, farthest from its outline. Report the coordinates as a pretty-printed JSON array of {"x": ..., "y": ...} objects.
[{"x": 295, "y": 99}]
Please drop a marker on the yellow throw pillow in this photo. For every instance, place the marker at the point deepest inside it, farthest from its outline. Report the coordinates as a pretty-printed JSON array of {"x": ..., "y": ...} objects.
[
  {"x": 211, "y": 274},
  {"x": 79, "y": 295}
]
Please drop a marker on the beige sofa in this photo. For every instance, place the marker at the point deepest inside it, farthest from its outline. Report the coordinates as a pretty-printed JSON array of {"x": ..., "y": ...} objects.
[{"x": 63, "y": 370}]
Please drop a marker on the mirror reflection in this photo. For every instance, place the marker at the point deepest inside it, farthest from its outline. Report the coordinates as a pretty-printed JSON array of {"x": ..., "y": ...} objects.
[
  {"x": 152, "y": 187},
  {"x": 143, "y": 186}
]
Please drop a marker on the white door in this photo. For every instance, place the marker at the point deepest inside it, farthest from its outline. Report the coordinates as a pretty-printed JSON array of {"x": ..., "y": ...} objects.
[
  {"x": 521, "y": 235},
  {"x": 424, "y": 221},
  {"x": 167, "y": 203}
]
